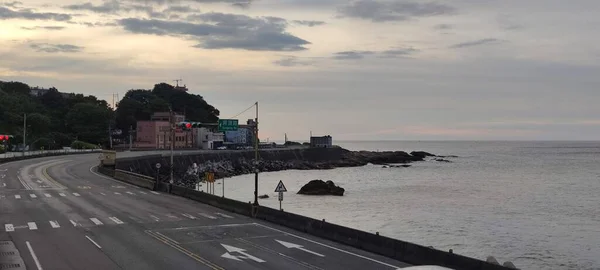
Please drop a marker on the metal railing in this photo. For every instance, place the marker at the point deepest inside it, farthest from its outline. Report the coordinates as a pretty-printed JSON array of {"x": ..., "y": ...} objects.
[{"x": 46, "y": 152}]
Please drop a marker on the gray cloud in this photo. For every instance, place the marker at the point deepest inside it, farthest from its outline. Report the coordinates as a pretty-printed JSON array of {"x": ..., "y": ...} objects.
[
  {"x": 352, "y": 55},
  {"x": 13, "y": 4},
  {"x": 28, "y": 14},
  {"x": 443, "y": 26},
  {"x": 220, "y": 31},
  {"x": 237, "y": 3},
  {"x": 399, "y": 52},
  {"x": 476, "y": 43},
  {"x": 44, "y": 27},
  {"x": 292, "y": 61},
  {"x": 393, "y": 10},
  {"x": 308, "y": 23},
  {"x": 107, "y": 7},
  {"x": 55, "y": 48},
  {"x": 180, "y": 9}
]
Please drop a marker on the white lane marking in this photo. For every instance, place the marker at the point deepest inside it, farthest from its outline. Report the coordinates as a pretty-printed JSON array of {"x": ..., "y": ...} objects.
[
  {"x": 39, "y": 181},
  {"x": 117, "y": 193},
  {"x": 189, "y": 216},
  {"x": 32, "y": 196},
  {"x": 76, "y": 194},
  {"x": 23, "y": 182},
  {"x": 9, "y": 227},
  {"x": 172, "y": 216},
  {"x": 143, "y": 192},
  {"x": 32, "y": 225},
  {"x": 207, "y": 216},
  {"x": 35, "y": 258},
  {"x": 155, "y": 217},
  {"x": 17, "y": 196},
  {"x": 96, "y": 244},
  {"x": 328, "y": 246},
  {"x": 154, "y": 192},
  {"x": 116, "y": 220},
  {"x": 62, "y": 194},
  {"x": 47, "y": 195},
  {"x": 130, "y": 193},
  {"x": 54, "y": 224},
  {"x": 299, "y": 247},
  {"x": 74, "y": 223},
  {"x": 223, "y": 215},
  {"x": 96, "y": 221},
  {"x": 102, "y": 194},
  {"x": 3, "y": 184}
]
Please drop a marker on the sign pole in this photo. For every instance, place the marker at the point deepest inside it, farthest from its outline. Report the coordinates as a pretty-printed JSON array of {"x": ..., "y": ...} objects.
[{"x": 223, "y": 186}]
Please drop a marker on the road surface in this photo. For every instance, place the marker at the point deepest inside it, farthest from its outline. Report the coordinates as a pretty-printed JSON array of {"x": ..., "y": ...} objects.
[{"x": 60, "y": 214}]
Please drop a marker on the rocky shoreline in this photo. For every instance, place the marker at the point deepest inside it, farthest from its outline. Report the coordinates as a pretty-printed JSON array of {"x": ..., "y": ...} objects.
[{"x": 234, "y": 167}]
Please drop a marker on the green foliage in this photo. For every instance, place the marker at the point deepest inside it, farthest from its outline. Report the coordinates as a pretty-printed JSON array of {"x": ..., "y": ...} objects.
[
  {"x": 89, "y": 122},
  {"x": 2, "y": 149},
  {"x": 83, "y": 145}
]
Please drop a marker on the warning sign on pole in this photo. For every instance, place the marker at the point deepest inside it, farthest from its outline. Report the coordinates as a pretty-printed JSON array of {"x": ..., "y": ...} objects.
[{"x": 280, "y": 187}]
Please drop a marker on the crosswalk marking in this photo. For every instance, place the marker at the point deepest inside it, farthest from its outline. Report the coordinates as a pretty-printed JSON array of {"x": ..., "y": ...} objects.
[
  {"x": 223, "y": 215},
  {"x": 62, "y": 194},
  {"x": 154, "y": 192},
  {"x": 32, "y": 196},
  {"x": 17, "y": 196},
  {"x": 76, "y": 194},
  {"x": 54, "y": 224},
  {"x": 172, "y": 216},
  {"x": 102, "y": 194},
  {"x": 129, "y": 192},
  {"x": 189, "y": 216},
  {"x": 117, "y": 193},
  {"x": 74, "y": 223},
  {"x": 9, "y": 227},
  {"x": 155, "y": 217},
  {"x": 96, "y": 221},
  {"x": 207, "y": 216},
  {"x": 47, "y": 195},
  {"x": 116, "y": 220},
  {"x": 32, "y": 225}
]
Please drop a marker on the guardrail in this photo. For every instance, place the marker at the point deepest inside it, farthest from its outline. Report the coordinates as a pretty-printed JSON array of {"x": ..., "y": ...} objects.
[{"x": 13, "y": 156}]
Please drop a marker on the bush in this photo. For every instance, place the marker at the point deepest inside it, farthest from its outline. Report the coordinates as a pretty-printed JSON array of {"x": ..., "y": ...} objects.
[
  {"x": 2, "y": 149},
  {"x": 83, "y": 145}
]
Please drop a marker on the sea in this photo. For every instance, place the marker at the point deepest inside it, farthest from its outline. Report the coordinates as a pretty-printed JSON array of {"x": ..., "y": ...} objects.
[{"x": 536, "y": 204}]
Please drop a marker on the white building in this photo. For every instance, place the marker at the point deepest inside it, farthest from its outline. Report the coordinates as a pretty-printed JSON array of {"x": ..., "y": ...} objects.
[{"x": 206, "y": 139}]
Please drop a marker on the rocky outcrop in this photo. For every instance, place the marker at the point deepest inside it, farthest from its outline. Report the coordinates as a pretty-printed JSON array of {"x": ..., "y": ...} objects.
[
  {"x": 421, "y": 154},
  {"x": 264, "y": 196},
  {"x": 320, "y": 187},
  {"x": 442, "y": 160},
  {"x": 396, "y": 166}
]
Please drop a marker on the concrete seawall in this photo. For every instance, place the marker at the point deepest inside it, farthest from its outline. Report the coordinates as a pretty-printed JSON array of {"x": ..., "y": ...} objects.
[{"x": 392, "y": 248}]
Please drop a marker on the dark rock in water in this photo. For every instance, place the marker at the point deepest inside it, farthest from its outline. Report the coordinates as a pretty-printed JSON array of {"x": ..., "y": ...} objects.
[
  {"x": 265, "y": 196},
  {"x": 397, "y": 166},
  {"x": 421, "y": 154},
  {"x": 320, "y": 187},
  {"x": 385, "y": 166},
  {"x": 442, "y": 160},
  {"x": 447, "y": 156}
]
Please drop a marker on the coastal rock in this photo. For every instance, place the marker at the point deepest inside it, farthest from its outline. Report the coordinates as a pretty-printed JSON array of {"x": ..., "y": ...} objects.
[
  {"x": 442, "y": 160},
  {"x": 396, "y": 166},
  {"x": 265, "y": 196},
  {"x": 320, "y": 187},
  {"x": 421, "y": 154}
]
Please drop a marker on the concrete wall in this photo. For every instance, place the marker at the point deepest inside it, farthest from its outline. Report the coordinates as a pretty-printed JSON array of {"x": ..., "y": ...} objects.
[{"x": 131, "y": 178}]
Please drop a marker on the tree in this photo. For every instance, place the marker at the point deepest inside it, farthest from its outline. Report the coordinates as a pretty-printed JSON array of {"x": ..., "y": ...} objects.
[{"x": 89, "y": 122}]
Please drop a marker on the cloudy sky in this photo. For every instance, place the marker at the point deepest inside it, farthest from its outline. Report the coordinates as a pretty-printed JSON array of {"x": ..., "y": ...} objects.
[{"x": 358, "y": 70}]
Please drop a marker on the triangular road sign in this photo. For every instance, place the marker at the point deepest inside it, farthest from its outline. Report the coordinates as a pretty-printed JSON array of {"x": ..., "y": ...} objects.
[{"x": 280, "y": 187}]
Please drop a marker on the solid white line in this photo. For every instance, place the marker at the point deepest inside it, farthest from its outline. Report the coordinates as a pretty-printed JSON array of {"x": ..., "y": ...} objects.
[
  {"x": 62, "y": 194},
  {"x": 223, "y": 215},
  {"x": 32, "y": 196},
  {"x": 74, "y": 223},
  {"x": 47, "y": 195},
  {"x": 32, "y": 225},
  {"x": 23, "y": 182},
  {"x": 35, "y": 258},
  {"x": 327, "y": 246},
  {"x": 112, "y": 179},
  {"x": 116, "y": 220},
  {"x": 17, "y": 196},
  {"x": 207, "y": 216},
  {"x": 154, "y": 192},
  {"x": 76, "y": 194},
  {"x": 9, "y": 227},
  {"x": 189, "y": 216},
  {"x": 96, "y": 221},
  {"x": 96, "y": 244},
  {"x": 54, "y": 224}
]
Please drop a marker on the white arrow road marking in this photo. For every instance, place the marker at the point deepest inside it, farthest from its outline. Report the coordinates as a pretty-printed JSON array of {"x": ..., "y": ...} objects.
[
  {"x": 299, "y": 247},
  {"x": 32, "y": 225},
  {"x": 232, "y": 249},
  {"x": 32, "y": 196},
  {"x": 76, "y": 194},
  {"x": 223, "y": 215},
  {"x": 47, "y": 195},
  {"x": 188, "y": 216},
  {"x": 9, "y": 227},
  {"x": 96, "y": 221},
  {"x": 62, "y": 194},
  {"x": 229, "y": 256},
  {"x": 54, "y": 224},
  {"x": 207, "y": 216},
  {"x": 116, "y": 220},
  {"x": 17, "y": 196}
]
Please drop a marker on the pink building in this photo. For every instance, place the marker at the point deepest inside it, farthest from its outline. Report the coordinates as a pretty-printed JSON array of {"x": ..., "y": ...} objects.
[{"x": 155, "y": 134}]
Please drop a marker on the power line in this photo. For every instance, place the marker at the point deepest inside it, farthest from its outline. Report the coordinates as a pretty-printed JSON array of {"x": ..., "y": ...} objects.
[{"x": 252, "y": 106}]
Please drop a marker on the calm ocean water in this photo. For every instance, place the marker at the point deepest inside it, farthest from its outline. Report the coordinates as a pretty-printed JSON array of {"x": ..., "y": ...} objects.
[{"x": 536, "y": 204}]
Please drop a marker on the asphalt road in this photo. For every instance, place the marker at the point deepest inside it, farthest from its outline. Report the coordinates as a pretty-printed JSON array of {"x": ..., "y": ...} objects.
[{"x": 60, "y": 214}]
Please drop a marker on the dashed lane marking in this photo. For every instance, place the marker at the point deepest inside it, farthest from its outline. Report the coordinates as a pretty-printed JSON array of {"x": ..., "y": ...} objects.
[
  {"x": 116, "y": 220},
  {"x": 143, "y": 192},
  {"x": 32, "y": 226},
  {"x": 48, "y": 195},
  {"x": 76, "y": 194},
  {"x": 188, "y": 216},
  {"x": 130, "y": 193},
  {"x": 54, "y": 224},
  {"x": 96, "y": 221},
  {"x": 17, "y": 196},
  {"x": 154, "y": 192},
  {"x": 224, "y": 215},
  {"x": 207, "y": 216},
  {"x": 32, "y": 196},
  {"x": 9, "y": 227},
  {"x": 62, "y": 194},
  {"x": 117, "y": 193},
  {"x": 75, "y": 224}
]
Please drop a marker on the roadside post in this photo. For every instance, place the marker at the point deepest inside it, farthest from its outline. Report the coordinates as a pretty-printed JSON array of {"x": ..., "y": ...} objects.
[
  {"x": 281, "y": 189},
  {"x": 157, "y": 176}
]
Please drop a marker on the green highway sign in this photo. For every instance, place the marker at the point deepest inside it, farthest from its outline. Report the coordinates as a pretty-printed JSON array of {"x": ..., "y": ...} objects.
[{"x": 228, "y": 124}]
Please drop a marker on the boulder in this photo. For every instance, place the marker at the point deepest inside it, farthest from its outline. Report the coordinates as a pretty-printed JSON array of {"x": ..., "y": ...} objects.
[
  {"x": 320, "y": 187},
  {"x": 421, "y": 154},
  {"x": 442, "y": 160},
  {"x": 265, "y": 196}
]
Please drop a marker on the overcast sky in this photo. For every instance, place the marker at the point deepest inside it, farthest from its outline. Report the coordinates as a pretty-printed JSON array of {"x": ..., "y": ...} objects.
[{"x": 358, "y": 70}]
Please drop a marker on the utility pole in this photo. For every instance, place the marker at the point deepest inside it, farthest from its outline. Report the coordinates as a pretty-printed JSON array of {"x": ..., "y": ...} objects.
[
  {"x": 256, "y": 157},
  {"x": 172, "y": 123},
  {"x": 110, "y": 145},
  {"x": 24, "y": 132}
]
